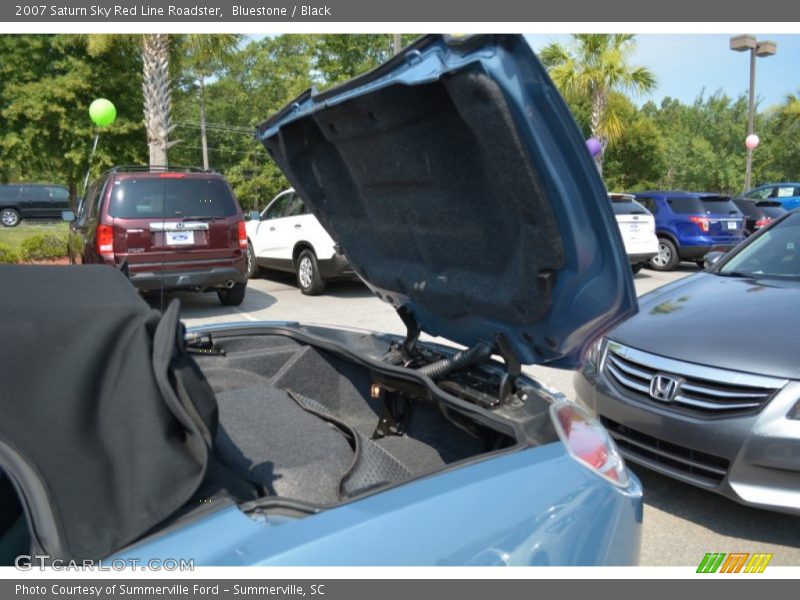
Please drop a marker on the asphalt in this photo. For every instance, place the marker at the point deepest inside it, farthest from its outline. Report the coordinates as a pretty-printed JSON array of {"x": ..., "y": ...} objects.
[{"x": 681, "y": 523}]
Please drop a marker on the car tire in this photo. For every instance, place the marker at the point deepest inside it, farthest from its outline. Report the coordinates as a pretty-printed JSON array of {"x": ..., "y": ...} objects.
[
  {"x": 637, "y": 267},
  {"x": 232, "y": 296},
  {"x": 308, "y": 277},
  {"x": 252, "y": 265},
  {"x": 667, "y": 258},
  {"x": 9, "y": 217}
]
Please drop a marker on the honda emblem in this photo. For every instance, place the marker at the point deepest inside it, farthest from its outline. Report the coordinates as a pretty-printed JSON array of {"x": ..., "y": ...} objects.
[{"x": 664, "y": 388}]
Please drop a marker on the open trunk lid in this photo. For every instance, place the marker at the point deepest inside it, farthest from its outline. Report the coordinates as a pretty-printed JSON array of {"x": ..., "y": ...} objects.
[{"x": 459, "y": 187}]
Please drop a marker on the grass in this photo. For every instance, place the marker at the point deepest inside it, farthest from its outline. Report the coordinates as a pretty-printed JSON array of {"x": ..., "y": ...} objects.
[{"x": 14, "y": 236}]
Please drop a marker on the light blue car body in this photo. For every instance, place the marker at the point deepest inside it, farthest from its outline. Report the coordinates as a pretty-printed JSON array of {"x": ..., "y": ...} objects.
[{"x": 533, "y": 506}]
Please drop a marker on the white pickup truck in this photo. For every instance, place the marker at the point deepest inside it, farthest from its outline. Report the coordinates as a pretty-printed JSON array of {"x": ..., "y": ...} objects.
[{"x": 286, "y": 237}]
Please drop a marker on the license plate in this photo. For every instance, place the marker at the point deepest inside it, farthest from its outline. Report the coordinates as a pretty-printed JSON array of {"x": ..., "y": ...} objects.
[
  {"x": 732, "y": 225},
  {"x": 180, "y": 238}
]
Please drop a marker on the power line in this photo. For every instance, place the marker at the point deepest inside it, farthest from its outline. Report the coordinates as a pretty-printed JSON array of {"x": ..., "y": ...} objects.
[
  {"x": 219, "y": 150},
  {"x": 219, "y": 128}
]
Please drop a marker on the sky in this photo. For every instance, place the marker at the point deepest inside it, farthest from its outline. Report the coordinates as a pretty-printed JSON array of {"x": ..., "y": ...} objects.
[{"x": 684, "y": 65}]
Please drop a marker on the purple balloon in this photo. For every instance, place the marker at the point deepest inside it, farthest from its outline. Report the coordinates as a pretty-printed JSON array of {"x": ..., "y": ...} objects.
[{"x": 594, "y": 146}]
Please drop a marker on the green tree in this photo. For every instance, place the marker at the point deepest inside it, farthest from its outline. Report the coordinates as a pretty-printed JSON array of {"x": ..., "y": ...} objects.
[
  {"x": 638, "y": 159},
  {"x": 46, "y": 85},
  {"x": 204, "y": 56},
  {"x": 593, "y": 66},
  {"x": 339, "y": 57}
]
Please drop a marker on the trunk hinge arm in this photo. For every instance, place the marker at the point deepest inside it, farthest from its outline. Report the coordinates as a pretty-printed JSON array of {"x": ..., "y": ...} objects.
[
  {"x": 513, "y": 367},
  {"x": 409, "y": 347}
]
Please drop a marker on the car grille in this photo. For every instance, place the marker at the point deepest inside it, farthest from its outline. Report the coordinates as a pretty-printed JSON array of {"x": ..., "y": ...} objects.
[
  {"x": 697, "y": 389},
  {"x": 706, "y": 468}
]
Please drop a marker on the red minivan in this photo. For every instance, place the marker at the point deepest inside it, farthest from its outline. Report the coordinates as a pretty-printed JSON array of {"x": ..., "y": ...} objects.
[{"x": 176, "y": 228}]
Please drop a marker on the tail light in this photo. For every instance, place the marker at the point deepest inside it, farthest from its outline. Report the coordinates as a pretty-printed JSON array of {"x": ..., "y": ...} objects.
[
  {"x": 763, "y": 222},
  {"x": 701, "y": 222},
  {"x": 104, "y": 239},
  {"x": 242, "y": 232},
  {"x": 588, "y": 442}
]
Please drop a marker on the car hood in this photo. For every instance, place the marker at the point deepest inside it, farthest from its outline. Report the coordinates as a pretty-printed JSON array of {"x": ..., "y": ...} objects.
[
  {"x": 459, "y": 187},
  {"x": 732, "y": 323}
]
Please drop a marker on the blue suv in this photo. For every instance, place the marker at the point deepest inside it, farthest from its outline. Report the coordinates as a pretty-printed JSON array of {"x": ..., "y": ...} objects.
[{"x": 689, "y": 225}]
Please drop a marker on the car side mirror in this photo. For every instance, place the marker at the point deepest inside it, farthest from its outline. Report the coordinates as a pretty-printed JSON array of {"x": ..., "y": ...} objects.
[
  {"x": 710, "y": 259},
  {"x": 68, "y": 216},
  {"x": 253, "y": 215}
]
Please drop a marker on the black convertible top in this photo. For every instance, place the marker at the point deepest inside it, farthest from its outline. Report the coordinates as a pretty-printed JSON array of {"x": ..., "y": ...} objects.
[{"x": 100, "y": 446}]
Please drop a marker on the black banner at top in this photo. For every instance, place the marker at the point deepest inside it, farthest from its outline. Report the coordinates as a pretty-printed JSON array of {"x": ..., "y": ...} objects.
[{"x": 338, "y": 11}]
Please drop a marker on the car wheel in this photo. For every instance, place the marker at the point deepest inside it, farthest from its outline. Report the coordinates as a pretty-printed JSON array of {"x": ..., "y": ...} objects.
[
  {"x": 252, "y": 266},
  {"x": 637, "y": 267},
  {"x": 308, "y": 278},
  {"x": 667, "y": 258},
  {"x": 9, "y": 217},
  {"x": 232, "y": 296}
]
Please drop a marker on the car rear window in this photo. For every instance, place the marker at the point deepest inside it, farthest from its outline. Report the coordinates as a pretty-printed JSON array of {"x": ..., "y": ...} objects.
[
  {"x": 703, "y": 205},
  {"x": 152, "y": 198},
  {"x": 686, "y": 205},
  {"x": 719, "y": 204},
  {"x": 9, "y": 192},
  {"x": 771, "y": 208},
  {"x": 748, "y": 207},
  {"x": 627, "y": 206}
]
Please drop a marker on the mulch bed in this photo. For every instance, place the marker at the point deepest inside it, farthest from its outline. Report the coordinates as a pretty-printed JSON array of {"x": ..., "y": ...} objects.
[{"x": 52, "y": 261}]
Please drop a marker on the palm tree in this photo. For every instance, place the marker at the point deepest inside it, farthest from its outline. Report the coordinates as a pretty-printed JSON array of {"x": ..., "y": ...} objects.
[
  {"x": 789, "y": 112},
  {"x": 591, "y": 67},
  {"x": 202, "y": 54}
]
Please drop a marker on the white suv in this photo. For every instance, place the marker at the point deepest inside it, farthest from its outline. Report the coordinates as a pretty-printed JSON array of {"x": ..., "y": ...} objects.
[
  {"x": 638, "y": 229},
  {"x": 286, "y": 237}
]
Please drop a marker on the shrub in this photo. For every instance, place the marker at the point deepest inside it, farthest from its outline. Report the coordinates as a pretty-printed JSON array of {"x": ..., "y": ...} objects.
[
  {"x": 7, "y": 255},
  {"x": 43, "y": 246}
]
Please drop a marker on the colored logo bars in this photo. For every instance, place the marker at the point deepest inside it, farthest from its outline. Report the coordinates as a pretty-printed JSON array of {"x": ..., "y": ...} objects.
[{"x": 736, "y": 562}]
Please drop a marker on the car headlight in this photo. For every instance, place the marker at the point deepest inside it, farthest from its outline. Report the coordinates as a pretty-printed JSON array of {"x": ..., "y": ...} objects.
[{"x": 593, "y": 362}]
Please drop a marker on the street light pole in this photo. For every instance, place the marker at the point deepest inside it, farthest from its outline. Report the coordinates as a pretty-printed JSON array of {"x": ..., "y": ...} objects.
[
  {"x": 751, "y": 109},
  {"x": 742, "y": 43}
]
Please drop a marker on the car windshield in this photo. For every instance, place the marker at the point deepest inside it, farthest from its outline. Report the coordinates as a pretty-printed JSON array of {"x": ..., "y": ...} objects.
[
  {"x": 152, "y": 198},
  {"x": 774, "y": 253}
]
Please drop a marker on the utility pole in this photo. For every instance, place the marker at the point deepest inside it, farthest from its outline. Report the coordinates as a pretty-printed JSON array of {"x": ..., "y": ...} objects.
[{"x": 744, "y": 43}]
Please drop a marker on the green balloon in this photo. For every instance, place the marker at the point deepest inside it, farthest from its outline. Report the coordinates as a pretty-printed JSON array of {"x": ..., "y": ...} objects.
[{"x": 102, "y": 112}]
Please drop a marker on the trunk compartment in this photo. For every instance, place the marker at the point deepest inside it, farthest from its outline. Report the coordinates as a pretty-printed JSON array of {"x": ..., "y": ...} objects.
[{"x": 313, "y": 425}]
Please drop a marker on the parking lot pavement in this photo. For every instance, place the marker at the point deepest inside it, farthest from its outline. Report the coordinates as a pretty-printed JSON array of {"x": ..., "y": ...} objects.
[{"x": 681, "y": 523}]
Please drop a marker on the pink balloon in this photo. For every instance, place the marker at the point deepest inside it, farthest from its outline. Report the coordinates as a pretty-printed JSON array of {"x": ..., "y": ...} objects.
[
  {"x": 594, "y": 146},
  {"x": 751, "y": 141}
]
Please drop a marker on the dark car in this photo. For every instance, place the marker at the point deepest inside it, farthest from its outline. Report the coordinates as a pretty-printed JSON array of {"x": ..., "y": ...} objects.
[
  {"x": 704, "y": 383},
  {"x": 690, "y": 224},
  {"x": 20, "y": 201},
  {"x": 175, "y": 229},
  {"x": 287, "y": 443},
  {"x": 758, "y": 213}
]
